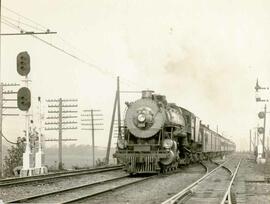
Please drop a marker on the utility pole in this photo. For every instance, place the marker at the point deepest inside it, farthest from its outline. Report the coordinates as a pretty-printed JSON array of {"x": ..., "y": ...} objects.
[
  {"x": 258, "y": 137},
  {"x": 118, "y": 108},
  {"x": 268, "y": 143},
  {"x": 116, "y": 130},
  {"x": 59, "y": 123},
  {"x": 91, "y": 118},
  {"x": 116, "y": 105},
  {"x": 254, "y": 140},
  {"x": 1, "y": 96},
  {"x": 3, "y": 107},
  {"x": 1, "y": 131},
  {"x": 250, "y": 140},
  {"x": 264, "y": 126},
  {"x": 0, "y": 39}
]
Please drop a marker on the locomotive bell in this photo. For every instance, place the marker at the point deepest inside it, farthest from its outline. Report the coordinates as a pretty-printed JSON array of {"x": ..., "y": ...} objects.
[{"x": 147, "y": 94}]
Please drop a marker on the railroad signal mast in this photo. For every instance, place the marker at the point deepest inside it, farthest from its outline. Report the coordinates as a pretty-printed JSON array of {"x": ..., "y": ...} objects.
[
  {"x": 88, "y": 122},
  {"x": 24, "y": 104},
  {"x": 59, "y": 120},
  {"x": 262, "y": 115}
]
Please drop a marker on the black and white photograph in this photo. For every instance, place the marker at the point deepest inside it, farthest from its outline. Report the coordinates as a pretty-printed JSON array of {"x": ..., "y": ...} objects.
[{"x": 135, "y": 102}]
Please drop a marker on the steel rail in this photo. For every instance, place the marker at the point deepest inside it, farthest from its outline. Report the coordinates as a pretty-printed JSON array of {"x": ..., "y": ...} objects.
[
  {"x": 188, "y": 189},
  {"x": 205, "y": 167},
  {"x": 206, "y": 170},
  {"x": 75, "y": 200},
  {"x": 117, "y": 187},
  {"x": 42, "y": 195},
  {"x": 38, "y": 178},
  {"x": 29, "y": 198},
  {"x": 226, "y": 168},
  {"x": 57, "y": 173},
  {"x": 227, "y": 196}
]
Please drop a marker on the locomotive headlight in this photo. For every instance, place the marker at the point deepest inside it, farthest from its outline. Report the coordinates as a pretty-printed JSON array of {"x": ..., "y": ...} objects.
[
  {"x": 167, "y": 143},
  {"x": 141, "y": 117}
]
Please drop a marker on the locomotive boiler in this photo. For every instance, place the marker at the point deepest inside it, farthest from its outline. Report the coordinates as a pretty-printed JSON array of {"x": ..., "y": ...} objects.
[{"x": 159, "y": 136}]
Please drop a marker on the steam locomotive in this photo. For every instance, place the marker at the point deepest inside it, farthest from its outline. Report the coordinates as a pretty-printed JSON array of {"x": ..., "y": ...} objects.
[{"x": 159, "y": 136}]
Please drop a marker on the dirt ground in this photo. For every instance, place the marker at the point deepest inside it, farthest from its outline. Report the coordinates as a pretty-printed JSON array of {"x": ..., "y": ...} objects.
[{"x": 251, "y": 185}]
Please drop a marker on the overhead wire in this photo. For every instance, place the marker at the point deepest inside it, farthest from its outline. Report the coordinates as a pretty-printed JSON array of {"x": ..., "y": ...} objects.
[
  {"x": 9, "y": 140},
  {"x": 7, "y": 23},
  {"x": 126, "y": 81},
  {"x": 20, "y": 15},
  {"x": 91, "y": 65},
  {"x": 44, "y": 28},
  {"x": 20, "y": 22}
]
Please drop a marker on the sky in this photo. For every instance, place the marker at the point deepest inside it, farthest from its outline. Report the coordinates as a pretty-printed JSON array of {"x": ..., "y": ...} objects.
[{"x": 203, "y": 55}]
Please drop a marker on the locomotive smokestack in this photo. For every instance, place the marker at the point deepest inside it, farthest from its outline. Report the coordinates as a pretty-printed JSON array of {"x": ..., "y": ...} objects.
[{"x": 147, "y": 94}]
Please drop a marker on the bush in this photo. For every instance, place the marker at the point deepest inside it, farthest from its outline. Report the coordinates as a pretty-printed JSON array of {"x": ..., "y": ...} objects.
[
  {"x": 14, "y": 157},
  {"x": 100, "y": 162}
]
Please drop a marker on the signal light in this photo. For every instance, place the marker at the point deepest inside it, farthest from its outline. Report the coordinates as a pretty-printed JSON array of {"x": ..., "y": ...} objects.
[
  {"x": 23, "y": 63},
  {"x": 24, "y": 99},
  {"x": 261, "y": 115},
  {"x": 261, "y": 130}
]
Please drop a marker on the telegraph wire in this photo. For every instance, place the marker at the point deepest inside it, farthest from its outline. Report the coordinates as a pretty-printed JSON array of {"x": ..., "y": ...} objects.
[
  {"x": 91, "y": 65},
  {"x": 44, "y": 28},
  {"x": 9, "y": 140},
  {"x": 26, "y": 18},
  {"x": 7, "y": 23},
  {"x": 71, "y": 55},
  {"x": 20, "y": 22}
]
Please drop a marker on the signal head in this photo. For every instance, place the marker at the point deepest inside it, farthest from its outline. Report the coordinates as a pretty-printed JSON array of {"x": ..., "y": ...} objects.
[
  {"x": 23, "y": 63},
  {"x": 24, "y": 99},
  {"x": 260, "y": 130}
]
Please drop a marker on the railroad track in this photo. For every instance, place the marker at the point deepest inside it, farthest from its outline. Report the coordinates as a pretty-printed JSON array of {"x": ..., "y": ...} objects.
[
  {"x": 45, "y": 177},
  {"x": 213, "y": 187},
  {"x": 82, "y": 192},
  {"x": 85, "y": 192}
]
